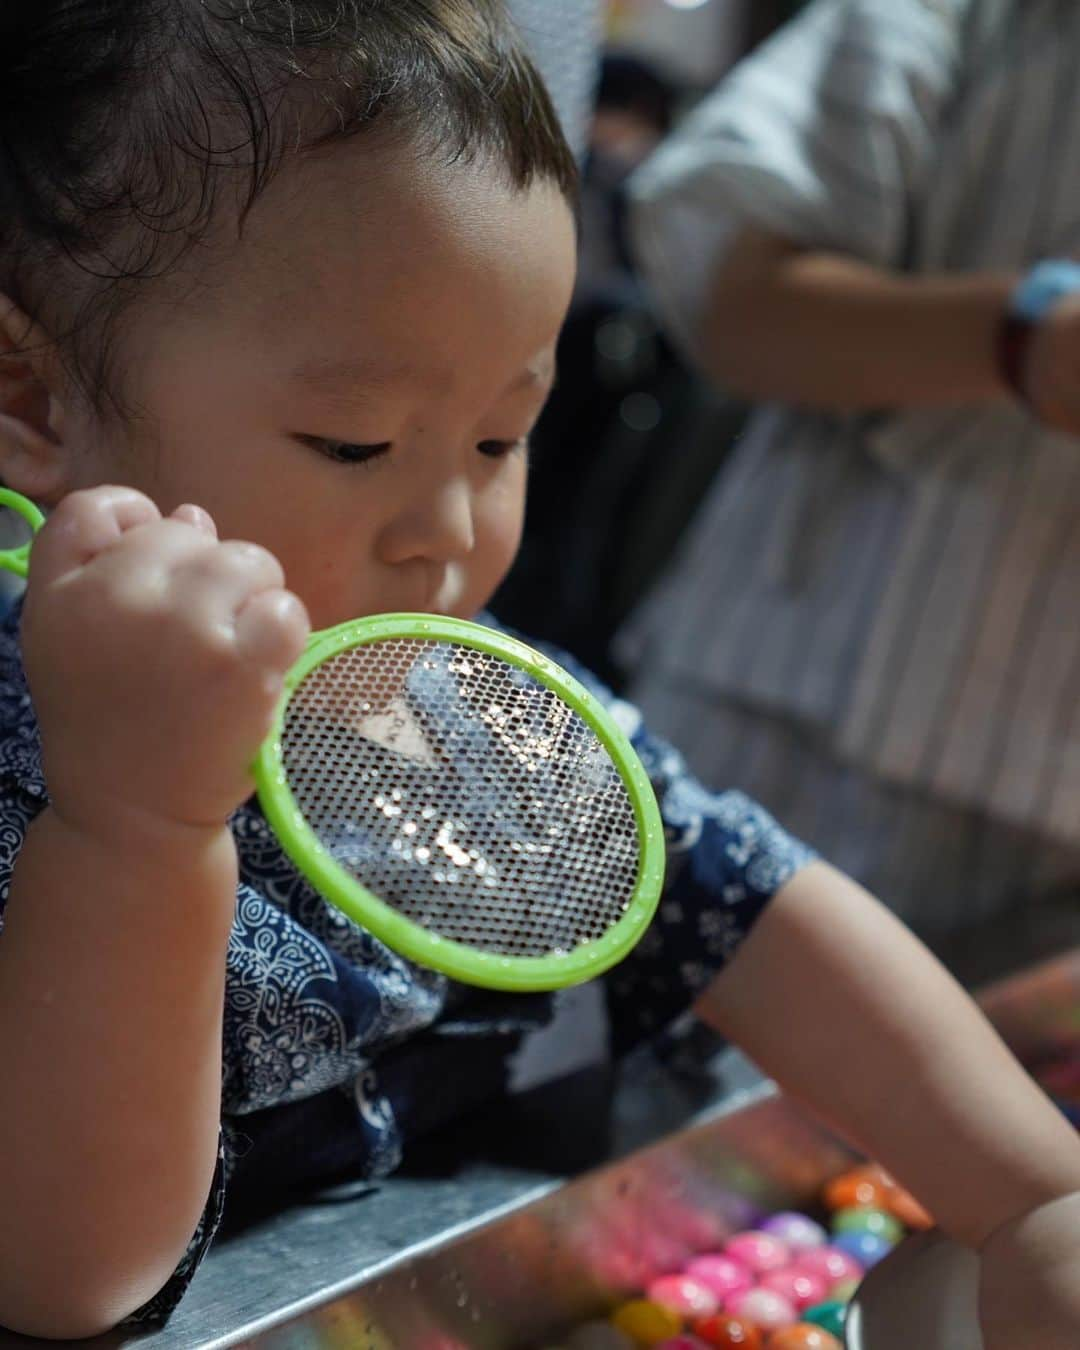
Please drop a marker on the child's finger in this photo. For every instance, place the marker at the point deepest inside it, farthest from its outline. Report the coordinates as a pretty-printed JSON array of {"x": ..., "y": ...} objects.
[
  {"x": 195, "y": 515},
  {"x": 86, "y": 523},
  {"x": 272, "y": 628},
  {"x": 215, "y": 581}
]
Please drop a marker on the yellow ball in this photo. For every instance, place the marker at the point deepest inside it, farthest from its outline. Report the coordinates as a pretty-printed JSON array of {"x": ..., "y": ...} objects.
[{"x": 647, "y": 1323}]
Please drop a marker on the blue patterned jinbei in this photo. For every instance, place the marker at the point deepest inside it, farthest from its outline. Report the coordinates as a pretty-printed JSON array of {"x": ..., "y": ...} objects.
[{"x": 316, "y": 1005}]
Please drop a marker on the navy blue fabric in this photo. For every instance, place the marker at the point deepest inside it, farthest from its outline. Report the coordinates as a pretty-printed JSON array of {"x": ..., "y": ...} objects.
[{"x": 317, "y": 1006}]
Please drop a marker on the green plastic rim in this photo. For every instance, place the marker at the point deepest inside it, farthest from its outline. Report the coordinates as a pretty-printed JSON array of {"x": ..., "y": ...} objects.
[
  {"x": 461, "y": 962},
  {"x": 17, "y": 560}
]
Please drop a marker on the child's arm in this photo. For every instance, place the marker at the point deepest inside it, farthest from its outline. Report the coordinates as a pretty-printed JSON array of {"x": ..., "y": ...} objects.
[
  {"x": 155, "y": 656},
  {"x": 838, "y": 1001},
  {"x": 112, "y": 970}
]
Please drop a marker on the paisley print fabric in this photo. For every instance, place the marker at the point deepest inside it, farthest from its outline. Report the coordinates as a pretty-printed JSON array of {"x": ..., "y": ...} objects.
[{"x": 314, "y": 1003}]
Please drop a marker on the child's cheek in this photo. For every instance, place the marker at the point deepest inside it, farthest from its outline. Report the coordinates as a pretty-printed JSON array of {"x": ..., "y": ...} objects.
[{"x": 511, "y": 517}]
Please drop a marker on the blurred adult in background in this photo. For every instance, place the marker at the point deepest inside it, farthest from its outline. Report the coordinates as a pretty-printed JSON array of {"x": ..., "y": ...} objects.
[
  {"x": 629, "y": 437},
  {"x": 635, "y": 107},
  {"x": 872, "y": 626}
]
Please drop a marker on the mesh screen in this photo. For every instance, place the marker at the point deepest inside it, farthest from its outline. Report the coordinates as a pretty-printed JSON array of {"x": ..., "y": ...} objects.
[{"x": 464, "y": 794}]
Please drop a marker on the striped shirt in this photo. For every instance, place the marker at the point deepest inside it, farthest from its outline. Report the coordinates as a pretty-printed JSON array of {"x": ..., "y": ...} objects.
[
  {"x": 905, "y": 583},
  {"x": 563, "y": 37}
]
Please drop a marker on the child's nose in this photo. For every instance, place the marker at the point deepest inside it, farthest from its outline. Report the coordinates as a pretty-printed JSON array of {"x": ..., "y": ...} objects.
[{"x": 440, "y": 527}]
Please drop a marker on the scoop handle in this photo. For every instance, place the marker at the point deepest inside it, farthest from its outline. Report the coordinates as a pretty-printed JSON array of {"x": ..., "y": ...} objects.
[{"x": 17, "y": 560}]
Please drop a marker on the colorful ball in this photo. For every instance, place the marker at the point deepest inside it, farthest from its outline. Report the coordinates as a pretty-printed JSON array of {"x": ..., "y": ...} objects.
[
  {"x": 799, "y": 1287},
  {"x": 875, "y": 1172},
  {"x": 599, "y": 1336},
  {"x": 685, "y": 1295},
  {"x": 877, "y": 1221},
  {"x": 830, "y": 1264},
  {"x": 724, "y": 1332},
  {"x": 863, "y": 1187},
  {"x": 829, "y": 1316},
  {"x": 802, "y": 1336},
  {"x": 683, "y": 1342},
  {"x": 845, "y": 1291},
  {"x": 762, "y": 1306},
  {"x": 720, "y": 1274},
  {"x": 758, "y": 1252},
  {"x": 795, "y": 1231},
  {"x": 903, "y": 1205},
  {"x": 866, "y": 1248},
  {"x": 647, "y": 1323}
]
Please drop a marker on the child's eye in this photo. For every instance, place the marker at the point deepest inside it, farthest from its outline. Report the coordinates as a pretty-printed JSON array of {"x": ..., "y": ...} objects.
[
  {"x": 345, "y": 452},
  {"x": 497, "y": 449}
]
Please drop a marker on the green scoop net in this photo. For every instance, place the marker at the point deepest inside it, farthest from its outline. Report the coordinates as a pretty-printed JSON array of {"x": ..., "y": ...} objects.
[{"x": 461, "y": 797}]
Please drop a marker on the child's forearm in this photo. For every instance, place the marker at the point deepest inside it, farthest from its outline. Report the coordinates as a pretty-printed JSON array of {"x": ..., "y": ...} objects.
[
  {"x": 827, "y": 331},
  {"x": 110, "y": 1037},
  {"x": 838, "y": 1002}
]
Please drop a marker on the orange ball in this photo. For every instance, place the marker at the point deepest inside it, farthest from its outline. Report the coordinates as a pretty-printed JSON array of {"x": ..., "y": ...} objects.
[
  {"x": 867, "y": 1181},
  {"x": 875, "y": 1172},
  {"x": 728, "y": 1333},
  {"x": 802, "y": 1337},
  {"x": 861, "y": 1189},
  {"x": 902, "y": 1205}
]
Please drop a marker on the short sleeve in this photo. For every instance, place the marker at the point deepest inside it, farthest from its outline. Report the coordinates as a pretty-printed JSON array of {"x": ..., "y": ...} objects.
[
  {"x": 825, "y": 135},
  {"x": 726, "y": 859}
]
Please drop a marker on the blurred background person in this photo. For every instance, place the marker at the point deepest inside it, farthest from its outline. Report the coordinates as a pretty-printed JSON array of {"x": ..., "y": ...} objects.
[
  {"x": 632, "y": 435},
  {"x": 626, "y": 402},
  {"x": 872, "y": 625},
  {"x": 634, "y": 112}
]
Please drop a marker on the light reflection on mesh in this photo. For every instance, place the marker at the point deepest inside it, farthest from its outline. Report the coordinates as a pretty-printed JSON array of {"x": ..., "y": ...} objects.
[{"x": 464, "y": 794}]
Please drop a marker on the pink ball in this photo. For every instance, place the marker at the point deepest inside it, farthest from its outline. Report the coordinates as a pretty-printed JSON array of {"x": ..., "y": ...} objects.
[
  {"x": 800, "y": 1288},
  {"x": 762, "y": 1306},
  {"x": 829, "y": 1264},
  {"x": 758, "y": 1252},
  {"x": 795, "y": 1231},
  {"x": 720, "y": 1274},
  {"x": 684, "y": 1294}
]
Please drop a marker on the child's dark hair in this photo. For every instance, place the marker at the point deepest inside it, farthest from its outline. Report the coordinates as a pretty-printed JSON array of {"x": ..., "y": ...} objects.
[{"x": 124, "y": 123}]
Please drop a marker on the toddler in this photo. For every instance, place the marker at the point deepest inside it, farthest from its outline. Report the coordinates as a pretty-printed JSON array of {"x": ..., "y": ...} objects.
[{"x": 292, "y": 272}]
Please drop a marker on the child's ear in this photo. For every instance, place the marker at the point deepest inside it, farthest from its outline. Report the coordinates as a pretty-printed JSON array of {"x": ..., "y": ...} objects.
[{"x": 34, "y": 457}]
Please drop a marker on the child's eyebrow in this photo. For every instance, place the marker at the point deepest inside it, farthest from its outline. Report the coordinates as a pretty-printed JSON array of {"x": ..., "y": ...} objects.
[
  {"x": 354, "y": 375},
  {"x": 358, "y": 376}
]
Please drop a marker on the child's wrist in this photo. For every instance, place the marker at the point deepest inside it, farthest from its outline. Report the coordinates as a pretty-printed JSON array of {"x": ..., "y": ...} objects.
[{"x": 120, "y": 831}]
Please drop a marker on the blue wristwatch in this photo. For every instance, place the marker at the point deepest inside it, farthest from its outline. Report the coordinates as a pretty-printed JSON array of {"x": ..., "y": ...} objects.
[
  {"x": 1045, "y": 286},
  {"x": 1042, "y": 288}
]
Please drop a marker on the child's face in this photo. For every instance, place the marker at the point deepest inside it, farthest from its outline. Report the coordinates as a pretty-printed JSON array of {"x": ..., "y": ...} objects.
[{"x": 374, "y": 301}]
